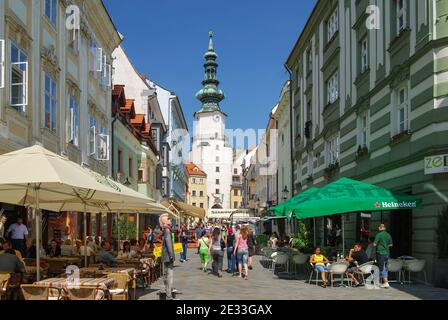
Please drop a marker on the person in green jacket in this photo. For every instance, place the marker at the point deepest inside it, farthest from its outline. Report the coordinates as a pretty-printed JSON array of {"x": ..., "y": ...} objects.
[
  {"x": 383, "y": 242},
  {"x": 203, "y": 251}
]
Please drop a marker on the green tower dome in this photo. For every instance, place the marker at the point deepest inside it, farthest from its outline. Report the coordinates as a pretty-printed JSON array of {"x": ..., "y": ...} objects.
[{"x": 210, "y": 95}]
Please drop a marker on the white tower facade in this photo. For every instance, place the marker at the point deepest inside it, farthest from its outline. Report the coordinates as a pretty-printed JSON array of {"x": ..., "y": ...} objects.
[{"x": 211, "y": 149}]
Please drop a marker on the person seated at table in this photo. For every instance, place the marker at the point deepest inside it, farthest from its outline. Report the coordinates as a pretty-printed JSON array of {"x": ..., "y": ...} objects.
[
  {"x": 54, "y": 250},
  {"x": 97, "y": 244},
  {"x": 319, "y": 261},
  {"x": 135, "y": 246},
  {"x": 274, "y": 240},
  {"x": 77, "y": 248},
  {"x": 105, "y": 256},
  {"x": 67, "y": 248},
  {"x": 356, "y": 258},
  {"x": 127, "y": 252},
  {"x": 92, "y": 244},
  {"x": 371, "y": 250},
  {"x": 31, "y": 250},
  {"x": 10, "y": 263},
  {"x": 8, "y": 246},
  {"x": 143, "y": 247},
  {"x": 86, "y": 251}
]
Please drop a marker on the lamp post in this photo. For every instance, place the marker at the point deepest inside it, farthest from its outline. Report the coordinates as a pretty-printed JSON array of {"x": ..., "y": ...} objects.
[
  {"x": 128, "y": 184},
  {"x": 285, "y": 193}
]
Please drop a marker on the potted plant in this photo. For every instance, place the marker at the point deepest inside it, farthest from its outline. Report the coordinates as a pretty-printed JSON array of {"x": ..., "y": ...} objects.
[
  {"x": 262, "y": 241},
  {"x": 441, "y": 280},
  {"x": 301, "y": 240}
]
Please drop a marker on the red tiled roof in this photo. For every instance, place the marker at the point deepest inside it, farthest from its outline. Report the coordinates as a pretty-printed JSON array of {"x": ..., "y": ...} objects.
[
  {"x": 128, "y": 106},
  {"x": 139, "y": 119},
  {"x": 194, "y": 170}
]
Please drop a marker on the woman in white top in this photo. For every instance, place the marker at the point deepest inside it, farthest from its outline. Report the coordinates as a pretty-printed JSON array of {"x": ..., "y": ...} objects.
[{"x": 126, "y": 252}]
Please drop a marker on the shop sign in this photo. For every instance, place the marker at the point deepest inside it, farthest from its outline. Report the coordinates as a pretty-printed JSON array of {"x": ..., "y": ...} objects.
[{"x": 436, "y": 164}]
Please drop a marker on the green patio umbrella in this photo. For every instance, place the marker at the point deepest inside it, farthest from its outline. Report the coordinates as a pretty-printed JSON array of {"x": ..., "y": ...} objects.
[
  {"x": 285, "y": 208},
  {"x": 346, "y": 196}
]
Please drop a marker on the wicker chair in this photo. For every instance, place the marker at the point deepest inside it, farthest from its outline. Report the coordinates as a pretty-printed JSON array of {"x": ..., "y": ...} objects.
[
  {"x": 121, "y": 290},
  {"x": 34, "y": 292},
  {"x": 4, "y": 281},
  {"x": 86, "y": 293}
]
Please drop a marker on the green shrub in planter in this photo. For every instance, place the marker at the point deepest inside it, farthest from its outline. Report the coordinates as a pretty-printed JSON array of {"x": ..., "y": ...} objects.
[
  {"x": 261, "y": 239},
  {"x": 301, "y": 240}
]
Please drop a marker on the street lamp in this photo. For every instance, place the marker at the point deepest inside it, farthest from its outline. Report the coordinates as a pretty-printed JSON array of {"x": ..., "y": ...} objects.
[{"x": 285, "y": 193}]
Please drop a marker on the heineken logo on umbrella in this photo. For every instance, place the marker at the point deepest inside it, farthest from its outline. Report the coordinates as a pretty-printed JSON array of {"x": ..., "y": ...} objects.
[{"x": 397, "y": 205}]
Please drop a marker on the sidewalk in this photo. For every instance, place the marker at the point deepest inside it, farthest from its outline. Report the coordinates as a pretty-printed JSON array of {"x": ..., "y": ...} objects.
[{"x": 194, "y": 284}]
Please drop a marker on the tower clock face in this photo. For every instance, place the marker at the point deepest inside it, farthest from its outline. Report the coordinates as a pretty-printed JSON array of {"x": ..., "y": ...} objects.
[{"x": 217, "y": 118}]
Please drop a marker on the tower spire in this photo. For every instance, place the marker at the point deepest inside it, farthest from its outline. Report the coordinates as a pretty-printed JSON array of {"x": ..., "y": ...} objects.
[
  {"x": 210, "y": 95},
  {"x": 210, "y": 46}
]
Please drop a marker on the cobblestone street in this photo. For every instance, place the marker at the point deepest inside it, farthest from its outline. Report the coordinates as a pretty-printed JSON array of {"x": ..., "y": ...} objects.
[{"x": 194, "y": 284}]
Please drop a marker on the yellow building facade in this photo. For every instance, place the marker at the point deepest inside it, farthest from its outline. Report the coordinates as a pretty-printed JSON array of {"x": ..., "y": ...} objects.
[{"x": 197, "y": 186}]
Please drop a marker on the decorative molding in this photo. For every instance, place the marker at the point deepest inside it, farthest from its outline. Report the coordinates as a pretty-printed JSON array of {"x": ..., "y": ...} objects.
[
  {"x": 399, "y": 75},
  {"x": 50, "y": 59}
]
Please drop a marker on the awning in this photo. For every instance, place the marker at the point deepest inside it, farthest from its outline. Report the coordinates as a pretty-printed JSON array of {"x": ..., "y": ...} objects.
[
  {"x": 347, "y": 196},
  {"x": 184, "y": 209}
]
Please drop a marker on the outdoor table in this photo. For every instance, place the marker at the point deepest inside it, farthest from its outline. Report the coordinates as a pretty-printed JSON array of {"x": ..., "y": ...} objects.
[
  {"x": 62, "y": 284},
  {"x": 68, "y": 260}
]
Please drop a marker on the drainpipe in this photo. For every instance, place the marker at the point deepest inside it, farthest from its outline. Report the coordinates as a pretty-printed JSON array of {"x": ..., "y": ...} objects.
[
  {"x": 113, "y": 144},
  {"x": 291, "y": 128}
]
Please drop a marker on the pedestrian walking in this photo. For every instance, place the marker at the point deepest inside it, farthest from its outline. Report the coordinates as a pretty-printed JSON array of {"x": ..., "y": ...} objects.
[
  {"x": 251, "y": 243},
  {"x": 183, "y": 238},
  {"x": 241, "y": 250},
  {"x": 199, "y": 230},
  {"x": 231, "y": 258},
  {"x": 383, "y": 242},
  {"x": 216, "y": 250},
  {"x": 168, "y": 256},
  {"x": 17, "y": 233},
  {"x": 203, "y": 245}
]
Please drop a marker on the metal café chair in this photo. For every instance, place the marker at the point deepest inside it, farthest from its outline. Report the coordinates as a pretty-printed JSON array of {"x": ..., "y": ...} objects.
[
  {"x": 415, "y": 266},
  {"x": 396, "y": 266}
]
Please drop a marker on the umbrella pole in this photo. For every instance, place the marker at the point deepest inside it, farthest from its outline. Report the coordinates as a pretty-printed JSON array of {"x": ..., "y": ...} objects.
[
  {"x": 343, "y": 236},
  {"x": 314, "y": 232},
  {"x": 118, "y": 231},
  {"x": 138, "y": 226},
  {"x": 37, "y": 217},
  {"x": 85, "y": 235}
]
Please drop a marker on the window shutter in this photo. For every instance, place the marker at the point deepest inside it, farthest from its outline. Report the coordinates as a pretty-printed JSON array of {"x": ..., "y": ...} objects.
[
  {"x": 99, "y": 60},
  {"x": 22, "y": 86},
  {"x": 92, "y": 140},
  {"x": 72, "y": 122},
  {"x": 103, "y": 147}
]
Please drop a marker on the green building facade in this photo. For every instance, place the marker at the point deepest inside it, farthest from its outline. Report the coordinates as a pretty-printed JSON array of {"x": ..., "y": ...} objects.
[{"x": 370, "y": 102}]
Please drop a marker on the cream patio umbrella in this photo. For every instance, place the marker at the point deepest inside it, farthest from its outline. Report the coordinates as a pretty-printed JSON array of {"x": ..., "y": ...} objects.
[{"x": 34, "y": 175}]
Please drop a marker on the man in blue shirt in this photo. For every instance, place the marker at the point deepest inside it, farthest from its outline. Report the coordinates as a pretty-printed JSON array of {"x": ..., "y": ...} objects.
[{"x": 105, "y": 256}]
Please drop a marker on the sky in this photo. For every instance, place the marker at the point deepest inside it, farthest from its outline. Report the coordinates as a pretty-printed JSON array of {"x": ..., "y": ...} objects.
[{"x": 167, "y": 39}]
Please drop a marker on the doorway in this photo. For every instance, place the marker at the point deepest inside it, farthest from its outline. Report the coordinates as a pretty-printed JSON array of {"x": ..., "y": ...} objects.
[{"x": 401, "y": 232}]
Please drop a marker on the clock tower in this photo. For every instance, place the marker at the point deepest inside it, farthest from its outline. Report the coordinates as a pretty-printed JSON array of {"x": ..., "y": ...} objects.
[{"x": 211, "y": 150}]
